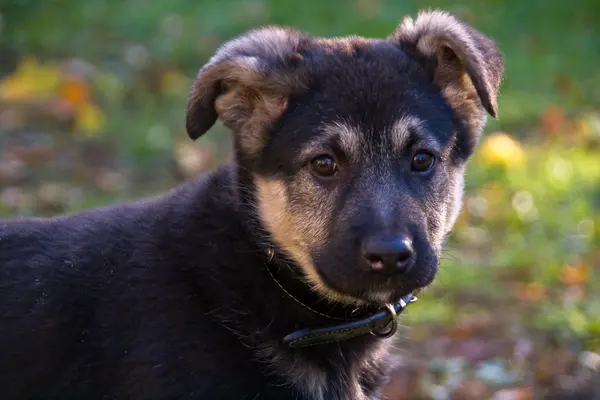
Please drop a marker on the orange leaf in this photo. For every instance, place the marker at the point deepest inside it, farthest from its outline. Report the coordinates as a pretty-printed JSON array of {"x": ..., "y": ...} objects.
[
  {"x": 75, "y": 91},
  {"x": 533, "y": 291},
  {"x": 574, "y": 275}
]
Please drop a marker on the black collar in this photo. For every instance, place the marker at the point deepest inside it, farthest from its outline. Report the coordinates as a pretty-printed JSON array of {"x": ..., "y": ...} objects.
[{"x": 347, "y": 321}]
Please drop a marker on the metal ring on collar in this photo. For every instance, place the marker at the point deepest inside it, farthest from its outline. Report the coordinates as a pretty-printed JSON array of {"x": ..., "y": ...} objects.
[
  {"x": 394, "y": 326},
  {"x": 270, "y": 254}
]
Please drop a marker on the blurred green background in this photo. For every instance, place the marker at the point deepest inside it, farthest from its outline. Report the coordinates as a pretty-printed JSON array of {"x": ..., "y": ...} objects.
[{"x": 92, "y": 105}]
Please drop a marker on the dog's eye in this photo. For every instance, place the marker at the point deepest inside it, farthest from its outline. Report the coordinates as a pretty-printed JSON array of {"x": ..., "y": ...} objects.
[
  {"x": 422, "y": 161},
  {"x": 324, "y": 166}
]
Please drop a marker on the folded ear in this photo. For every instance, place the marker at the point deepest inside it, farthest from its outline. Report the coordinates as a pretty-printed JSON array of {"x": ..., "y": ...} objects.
[
  {"x": 246, "y": 84},
  {"x": 468, "y": 66}
]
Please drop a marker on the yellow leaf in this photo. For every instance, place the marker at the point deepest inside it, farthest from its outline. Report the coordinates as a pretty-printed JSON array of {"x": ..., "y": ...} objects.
[
  {"x": 500, "y": 148},
  {"x": 31, "y": 79},
  {"x": 15, "y": 88},
  {"x": 89, "y": 119},
  {"x": 45, "y": 77}
]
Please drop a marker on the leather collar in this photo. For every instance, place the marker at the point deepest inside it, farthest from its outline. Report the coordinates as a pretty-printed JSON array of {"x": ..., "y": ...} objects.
[{"x": 347, "y": 321}]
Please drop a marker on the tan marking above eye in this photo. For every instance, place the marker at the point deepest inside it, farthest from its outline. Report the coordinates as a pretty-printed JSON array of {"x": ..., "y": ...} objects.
[{"x": 347, "y": 136}]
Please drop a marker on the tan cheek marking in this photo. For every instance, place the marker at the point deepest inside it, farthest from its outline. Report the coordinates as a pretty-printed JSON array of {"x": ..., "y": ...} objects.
[{"x": 290, "y": 234}]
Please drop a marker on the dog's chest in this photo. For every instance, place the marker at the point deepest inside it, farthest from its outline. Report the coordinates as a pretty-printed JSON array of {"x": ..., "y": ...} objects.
[{"x": 330, "y": 374}]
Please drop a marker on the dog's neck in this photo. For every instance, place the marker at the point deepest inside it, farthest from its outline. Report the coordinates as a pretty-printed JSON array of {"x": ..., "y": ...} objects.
[
  {"x": 327, "y": 321},
  {"x": 249, "y": 302},
  {"x": 292, "y": 282},
  {"x": 344, "y": 321}
]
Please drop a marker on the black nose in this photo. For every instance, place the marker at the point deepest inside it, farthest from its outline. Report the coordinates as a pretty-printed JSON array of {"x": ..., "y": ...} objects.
[{"x": 389, "y": 254}]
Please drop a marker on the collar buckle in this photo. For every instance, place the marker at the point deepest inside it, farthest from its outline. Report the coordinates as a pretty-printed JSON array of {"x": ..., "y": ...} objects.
[{"x": 394, "y": 322}]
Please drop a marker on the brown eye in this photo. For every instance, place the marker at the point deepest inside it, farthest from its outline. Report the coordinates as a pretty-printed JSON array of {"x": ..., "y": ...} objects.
[
  {"x": 422, "y": 161},
  {"x": 324, "y": 166}
]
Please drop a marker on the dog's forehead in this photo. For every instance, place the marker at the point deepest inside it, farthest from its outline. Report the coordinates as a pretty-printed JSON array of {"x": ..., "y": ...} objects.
[
  {"x": 359, "y": 63},
  {"x": 357, "y": 141},
  {"x": 374, "y": 90},
  {"x": 367, "y": 98}
]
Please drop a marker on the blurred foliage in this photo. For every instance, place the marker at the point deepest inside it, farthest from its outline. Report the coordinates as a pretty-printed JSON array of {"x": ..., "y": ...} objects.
[{"x": 92, "y": 105}]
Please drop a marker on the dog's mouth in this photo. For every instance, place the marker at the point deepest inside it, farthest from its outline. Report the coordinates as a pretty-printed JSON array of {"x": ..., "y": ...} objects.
[{"x": 377, "y": 292}]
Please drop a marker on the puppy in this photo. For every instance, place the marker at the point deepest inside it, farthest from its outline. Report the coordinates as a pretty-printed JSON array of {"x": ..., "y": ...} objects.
[{"x": 278, "y": 276}]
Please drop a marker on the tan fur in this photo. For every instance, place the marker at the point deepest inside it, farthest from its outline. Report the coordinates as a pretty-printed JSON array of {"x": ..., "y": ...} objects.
[
  {"x": 348, "y": 137},
  {"x": 248, "y": 112},
  {"x": 294, "y": 233},
  {"x": 401, "y": 132},
  {"x": 459, "y": 92},
  {"x": 247, "y": 95},
  {"x": 467, "y": 79},
  {"x": 312, "y": 380},
  {"x": 344, "y": 45}
]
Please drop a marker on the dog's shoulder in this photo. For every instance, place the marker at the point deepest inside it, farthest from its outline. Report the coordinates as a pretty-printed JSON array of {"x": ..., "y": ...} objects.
[{"x": 92, "y": 279}]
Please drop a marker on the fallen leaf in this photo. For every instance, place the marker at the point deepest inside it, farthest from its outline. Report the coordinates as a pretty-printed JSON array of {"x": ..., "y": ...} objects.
[
  {"x": 533, "y": 291},
  {"x": 501, "y": 148},
  {"x": 30, "y": 79},
  {"x": 75, "y": 91},
  {"x": 89, "y": 119},
  {"x": 574, "y": 275},
  {"x": 15, "y": 88}
]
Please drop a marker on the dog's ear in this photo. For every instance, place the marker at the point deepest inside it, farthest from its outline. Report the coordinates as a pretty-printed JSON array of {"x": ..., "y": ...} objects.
[
  {"x": 468, "y": 66},
  {"x": 246, "y": 84}
]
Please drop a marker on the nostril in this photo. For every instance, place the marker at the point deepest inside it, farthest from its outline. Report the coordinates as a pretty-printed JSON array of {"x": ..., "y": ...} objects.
[
  {"x": 403, "y": 260},
  {"x": 404, "y": 255},
  {"x": 388, "y": 255},
  {"x": 376, "y": 261}
]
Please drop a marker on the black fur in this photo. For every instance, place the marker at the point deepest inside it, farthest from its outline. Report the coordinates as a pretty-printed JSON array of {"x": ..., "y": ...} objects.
[
  {"x": 169, "y": 298},
  {"x": 163, "y": 298}
]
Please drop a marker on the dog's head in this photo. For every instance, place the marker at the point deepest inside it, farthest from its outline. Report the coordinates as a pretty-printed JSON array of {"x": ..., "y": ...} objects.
[{"x": 356, "y": 148}]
